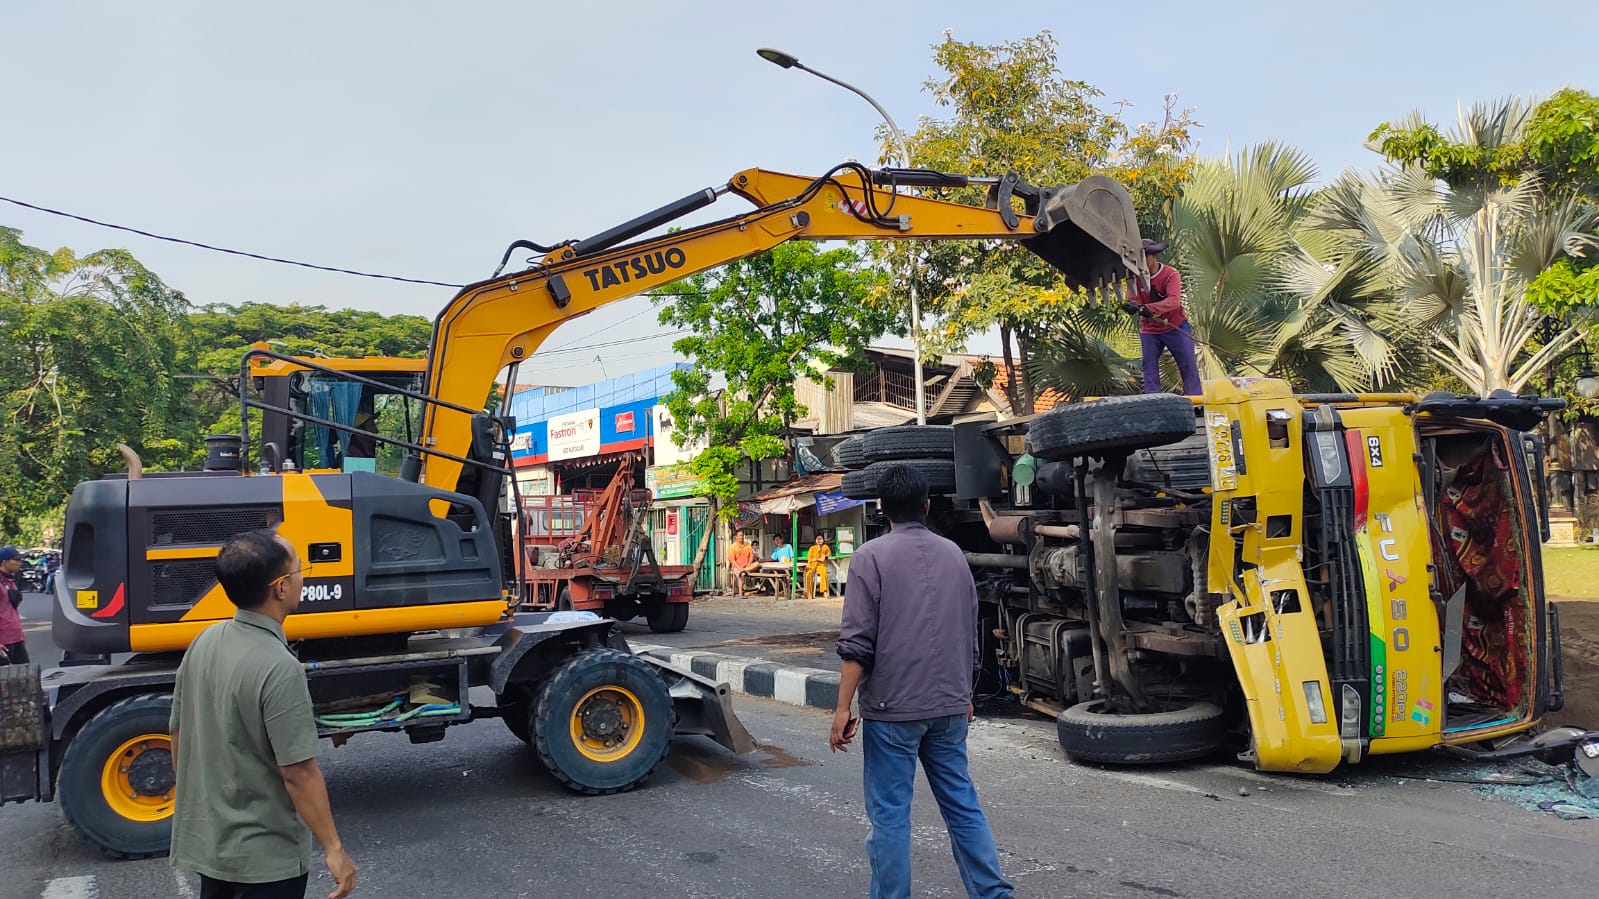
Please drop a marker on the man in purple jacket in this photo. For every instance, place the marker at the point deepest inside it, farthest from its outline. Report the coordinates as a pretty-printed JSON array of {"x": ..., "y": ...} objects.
[{"x": 908, "y": 642}]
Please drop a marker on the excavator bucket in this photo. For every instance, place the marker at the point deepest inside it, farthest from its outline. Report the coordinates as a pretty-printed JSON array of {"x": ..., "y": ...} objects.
[{"x": 1089, "y": 231}]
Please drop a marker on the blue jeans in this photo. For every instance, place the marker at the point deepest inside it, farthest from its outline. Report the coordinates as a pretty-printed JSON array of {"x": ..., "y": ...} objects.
[
  {"x": 1181, "y": 345},
  {"x": 890, "y": 750}
]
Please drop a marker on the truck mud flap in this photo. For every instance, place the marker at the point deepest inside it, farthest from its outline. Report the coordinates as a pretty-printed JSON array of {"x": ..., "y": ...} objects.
[
  {"x": 24, "y": 736},
  {"x": 704, "y": 707}
]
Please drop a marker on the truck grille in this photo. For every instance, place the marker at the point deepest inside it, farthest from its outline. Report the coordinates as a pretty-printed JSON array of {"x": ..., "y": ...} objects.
[{"x": 1351, "y": 645}]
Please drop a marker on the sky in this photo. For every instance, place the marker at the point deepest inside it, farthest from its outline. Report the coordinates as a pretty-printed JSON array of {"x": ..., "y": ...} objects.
[{"x": 419, "y": 139}]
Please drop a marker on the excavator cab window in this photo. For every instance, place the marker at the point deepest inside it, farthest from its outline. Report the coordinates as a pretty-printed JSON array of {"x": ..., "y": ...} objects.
[{"x": 375, "y": 412}]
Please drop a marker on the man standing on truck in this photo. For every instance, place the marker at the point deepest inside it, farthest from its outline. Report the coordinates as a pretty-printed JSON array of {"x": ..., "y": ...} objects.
[
  {"x": 1162, "y": 324},
  {"x": 246, "y": 763},
  {"x": 908, "y": 641}
]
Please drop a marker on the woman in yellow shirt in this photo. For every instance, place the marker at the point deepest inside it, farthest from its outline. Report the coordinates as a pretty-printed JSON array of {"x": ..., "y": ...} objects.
[{"x": 816, "y": 564}]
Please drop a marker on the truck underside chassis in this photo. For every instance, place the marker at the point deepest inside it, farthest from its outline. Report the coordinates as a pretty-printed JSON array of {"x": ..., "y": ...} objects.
[
  {"x": 1095, "y": 591},
  {"x": 599, "y": 718}
]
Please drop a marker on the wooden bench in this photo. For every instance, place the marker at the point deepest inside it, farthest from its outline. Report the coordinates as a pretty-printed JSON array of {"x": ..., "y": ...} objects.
[{"x": 770, "y": 577}]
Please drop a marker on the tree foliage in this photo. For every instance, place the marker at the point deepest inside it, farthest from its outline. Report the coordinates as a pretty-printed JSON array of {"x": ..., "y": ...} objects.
[
  {"x": 1012, "y": 109},
  {"x": 1485, "y": 236},
  {"x": 761, "y": 325},
  {"x": 99, "y": 351}
]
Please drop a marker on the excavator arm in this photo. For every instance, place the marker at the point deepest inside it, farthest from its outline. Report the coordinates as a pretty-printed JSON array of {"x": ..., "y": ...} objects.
[{"x": 1088, "y": 231}]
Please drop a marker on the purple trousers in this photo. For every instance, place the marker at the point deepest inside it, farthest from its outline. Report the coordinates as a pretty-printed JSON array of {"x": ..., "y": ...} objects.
[{"x": 1180, "y": 343}]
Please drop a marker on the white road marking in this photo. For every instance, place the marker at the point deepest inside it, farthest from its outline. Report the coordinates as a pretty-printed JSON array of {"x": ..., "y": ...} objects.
[
  {"x": 185, "y": 889},
  {"x": 71, "y": 888}
]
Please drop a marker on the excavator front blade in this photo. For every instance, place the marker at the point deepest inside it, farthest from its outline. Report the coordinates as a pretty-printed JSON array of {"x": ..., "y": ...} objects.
[{"x": 1089, "y": 231}]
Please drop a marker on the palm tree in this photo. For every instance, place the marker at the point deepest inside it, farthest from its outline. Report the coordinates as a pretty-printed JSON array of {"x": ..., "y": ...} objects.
[
  {"x": 1457, "y": 255},
  {"x": 1265, "y": 294}
]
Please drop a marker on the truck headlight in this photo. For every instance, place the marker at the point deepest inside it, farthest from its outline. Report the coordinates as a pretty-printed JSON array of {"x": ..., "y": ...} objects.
[{"x": 1313, "y": 701}]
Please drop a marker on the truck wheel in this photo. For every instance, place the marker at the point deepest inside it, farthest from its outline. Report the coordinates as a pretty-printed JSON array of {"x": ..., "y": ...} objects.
[
  {"x": 910, "y": 442},
  {"x": 116, "y": 785},
  {"x": 604, "y": 721},
  {"x": 563, "y": 599},
  {"x": 669, "y": 618},
  {"x": 1185, "y": 729},
  {"x": 22, "y": 707},
  {"x": 851, "y": 453},
  {"x": 862, "y": 484},
  {"x": 1113, "y": 423}
]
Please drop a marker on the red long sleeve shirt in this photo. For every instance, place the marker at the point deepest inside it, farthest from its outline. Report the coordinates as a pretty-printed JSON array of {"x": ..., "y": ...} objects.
[{"x": 1167, "y": 314}]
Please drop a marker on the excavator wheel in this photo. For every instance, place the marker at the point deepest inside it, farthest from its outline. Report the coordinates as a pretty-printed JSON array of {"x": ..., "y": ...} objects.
[
  {"x": 116, "y": 785},
  {"x": 603, "y": 722}
]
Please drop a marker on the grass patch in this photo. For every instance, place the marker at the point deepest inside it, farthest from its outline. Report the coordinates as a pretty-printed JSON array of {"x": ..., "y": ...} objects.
[{"x": 1571, "y": 572}]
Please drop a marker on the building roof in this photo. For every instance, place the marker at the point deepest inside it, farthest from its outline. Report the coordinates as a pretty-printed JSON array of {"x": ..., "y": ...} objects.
[
  {"x": 796, "y": 493},
  {"x": 1042, "y": 402}
]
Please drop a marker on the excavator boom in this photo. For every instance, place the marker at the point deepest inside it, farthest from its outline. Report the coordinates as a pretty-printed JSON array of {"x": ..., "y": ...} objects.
[{"x": 1087, "y": 231}]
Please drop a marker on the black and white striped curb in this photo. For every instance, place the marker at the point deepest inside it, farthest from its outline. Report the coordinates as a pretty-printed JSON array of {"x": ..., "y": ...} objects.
[{"x": 810, "y": 687}]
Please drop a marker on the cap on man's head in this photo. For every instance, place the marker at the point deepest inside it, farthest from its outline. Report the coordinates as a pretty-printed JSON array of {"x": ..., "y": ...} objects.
[
  {"x": 1154, "y": 246},
  {"x": 7, "y": 553}
]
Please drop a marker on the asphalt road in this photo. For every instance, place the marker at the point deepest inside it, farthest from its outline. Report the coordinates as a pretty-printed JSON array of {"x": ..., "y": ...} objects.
[{"x": 475, "y": 816}]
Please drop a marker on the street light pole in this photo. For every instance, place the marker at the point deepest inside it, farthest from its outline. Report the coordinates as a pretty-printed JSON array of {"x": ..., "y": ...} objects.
[{"x": 789, "y": 61}]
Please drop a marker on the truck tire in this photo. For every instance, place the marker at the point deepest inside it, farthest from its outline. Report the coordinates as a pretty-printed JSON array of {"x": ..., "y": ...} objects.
[
  {"x": 940, "y": 476},
  {"x": 910, "y": 442},
  {"x": 669, "y": 618},
  {"x": 1186, "y": 729},
  {"x": 116, "y": 784},
  {"x": 22, "y": 709},
  {"x": 603, "y": 722},
  {"x": 856, "y": 485},
  {"x": 851, "y": 453},
  {"x": 563, "y": 599},
  {"x": 1113, "y": 423}
]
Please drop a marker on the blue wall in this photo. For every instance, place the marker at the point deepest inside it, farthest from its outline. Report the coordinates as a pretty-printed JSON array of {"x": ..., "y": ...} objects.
[{"x": 634, "y": 393}]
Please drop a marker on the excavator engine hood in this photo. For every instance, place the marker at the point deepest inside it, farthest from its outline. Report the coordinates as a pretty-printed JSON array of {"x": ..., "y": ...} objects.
[{"x": 1089, "y": 231}]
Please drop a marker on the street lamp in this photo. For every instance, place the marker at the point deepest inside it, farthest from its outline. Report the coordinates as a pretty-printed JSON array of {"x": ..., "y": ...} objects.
[{"x": 790, "y": 61}]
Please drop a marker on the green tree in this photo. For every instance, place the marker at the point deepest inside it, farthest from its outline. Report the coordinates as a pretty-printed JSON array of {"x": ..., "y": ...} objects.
[
  {"x": 1264, "y": 291},
  {"x": 1481, "y": 256},
  {"x": 761, "y": 325},
  {"x": 92, "y": 343},
  {"x": 1011, "y": 109}
]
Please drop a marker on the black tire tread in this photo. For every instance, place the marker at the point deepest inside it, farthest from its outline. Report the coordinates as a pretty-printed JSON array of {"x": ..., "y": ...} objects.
[
  {"x": 22, "y": 709},
  {"x": 74, "y": 758},
  {"x": 670, "y": 618},
  {"x": 559, "y": 680},
  {"x": 910, "y": 442},
  {"x": 1194, "y": 731},
  {"x": 851, "y": 453},
  {"x": 940, "y": 474},
  {"x": 1132, "y": 422}
]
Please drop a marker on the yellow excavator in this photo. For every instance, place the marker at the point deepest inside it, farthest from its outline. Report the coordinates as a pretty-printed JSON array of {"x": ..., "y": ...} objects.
[{"x": 406, "y": 603}]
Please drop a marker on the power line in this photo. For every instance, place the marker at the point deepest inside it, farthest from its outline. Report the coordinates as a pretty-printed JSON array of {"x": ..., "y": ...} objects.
[{"x": 231, "y": 252}]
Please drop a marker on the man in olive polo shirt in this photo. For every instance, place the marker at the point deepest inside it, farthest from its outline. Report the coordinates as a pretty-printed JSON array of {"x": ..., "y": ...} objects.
[{"x": 246, "y": 761}]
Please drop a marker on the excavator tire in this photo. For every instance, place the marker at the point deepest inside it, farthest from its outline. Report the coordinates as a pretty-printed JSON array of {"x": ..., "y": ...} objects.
[
  {"x": 1185, "y": 730},
  {"x": 851, "y": 453},
  {"x": 603, "y": 722},
  {"x": 116, "y": 784},
  {"x": 22, "y": 707},
  {"x": 1114, "y": 423},
  {"x": 910, "y": 442},
  {"x": 516, "y": 710}
]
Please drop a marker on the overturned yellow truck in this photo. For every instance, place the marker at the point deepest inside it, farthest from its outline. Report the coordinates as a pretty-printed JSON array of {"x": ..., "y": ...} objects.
[{"x": 1306, "y": 580}]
